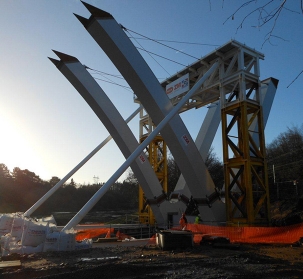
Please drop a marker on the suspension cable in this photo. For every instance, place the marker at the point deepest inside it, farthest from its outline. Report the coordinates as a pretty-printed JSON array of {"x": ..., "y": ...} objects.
[
  {"x": 179, "y": 42},
  {"x": 123, "y": 86},
  {"x": 124, "y": 28},
  {"x": 161, "y": 56},
  {"x": 108, "y": 79}
]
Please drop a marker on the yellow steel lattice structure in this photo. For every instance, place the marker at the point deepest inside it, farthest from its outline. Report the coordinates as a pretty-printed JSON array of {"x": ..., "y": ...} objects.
[
  {"x": 245, "y": 168},
  {"x": 156, "y": 152},
  {"x": 236, "y": 84}
]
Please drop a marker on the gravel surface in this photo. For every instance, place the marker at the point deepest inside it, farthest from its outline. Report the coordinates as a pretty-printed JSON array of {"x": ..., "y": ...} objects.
[{"x": 205, "y": 261}]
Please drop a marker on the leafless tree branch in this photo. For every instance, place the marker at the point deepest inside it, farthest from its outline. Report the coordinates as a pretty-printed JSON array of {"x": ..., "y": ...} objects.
[
  {"x": 233, "y": 15},
  {"x": 294, "y": 79},
  {"x": 275, "y": 17},
  {"x": 264, "y": 16},
  {"x": 261, "y": 19},
  {"x": 267, "y": 13}
]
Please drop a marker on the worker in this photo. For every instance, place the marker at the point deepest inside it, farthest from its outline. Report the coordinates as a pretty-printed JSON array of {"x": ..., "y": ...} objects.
[
  {"x": 198, "y": 219},
  {"x": 183, "y": 222}
]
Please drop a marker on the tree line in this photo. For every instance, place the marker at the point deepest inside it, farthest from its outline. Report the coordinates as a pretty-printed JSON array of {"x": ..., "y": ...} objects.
[{"x": 20, "y": 189}]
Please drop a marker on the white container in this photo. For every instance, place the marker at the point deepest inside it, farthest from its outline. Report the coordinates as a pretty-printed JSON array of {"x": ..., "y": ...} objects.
[
  {"x": 6, "y": 221},
  {"x": 51, "y": 242},
  {"x": 34, "y": 234},
  {"x": 67, "y": 241},
  {"x": 84, "y": 244}
]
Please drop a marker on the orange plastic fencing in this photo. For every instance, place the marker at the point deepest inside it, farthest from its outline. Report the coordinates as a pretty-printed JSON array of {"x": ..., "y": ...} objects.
[
  {"x": 152, "y": 240},
  {"x": 92, "y": 233},
  {"x": 274, "y": 235},
  {"x": 122, "y": 236}
]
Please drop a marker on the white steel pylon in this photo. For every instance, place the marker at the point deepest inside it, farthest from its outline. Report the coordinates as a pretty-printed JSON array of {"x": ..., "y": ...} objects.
[
  {"x": 114, "y": 42},
  {"x": 92, "y": 93},
  {"x": 136, "y": 155},
  {"x": 120, "y": 50}
]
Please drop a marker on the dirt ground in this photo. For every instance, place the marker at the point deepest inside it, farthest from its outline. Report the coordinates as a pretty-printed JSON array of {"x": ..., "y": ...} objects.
[{"x": 148, "y": 261}]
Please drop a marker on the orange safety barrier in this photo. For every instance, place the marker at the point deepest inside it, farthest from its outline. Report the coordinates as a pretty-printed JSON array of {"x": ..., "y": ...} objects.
[
  {"x": 92, "y": 233},
  {"x": 273, "y": 235},
  {"x": 152, "y": 240},
  {"x": 270, "y": 235},
  {"x": 122, "y": 236},
  {"x": 108, "y": 234}
]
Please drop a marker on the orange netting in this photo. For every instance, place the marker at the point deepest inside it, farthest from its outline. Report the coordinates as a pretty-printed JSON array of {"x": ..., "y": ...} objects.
[
  {"x": 122, "y": 236},
  {"x": 283, "y": 235},
  {"x": 152, "y": 240},
  {"x": 92, "y": 233}
]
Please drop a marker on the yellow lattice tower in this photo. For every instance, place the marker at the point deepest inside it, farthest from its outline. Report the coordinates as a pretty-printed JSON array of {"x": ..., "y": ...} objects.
[
  {"x": 245, "y": 168},
  {"x": 156, "y": 152}
]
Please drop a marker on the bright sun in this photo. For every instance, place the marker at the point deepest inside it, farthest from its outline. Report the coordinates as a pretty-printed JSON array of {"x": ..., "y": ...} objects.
[{"x": 16, "y": 150}]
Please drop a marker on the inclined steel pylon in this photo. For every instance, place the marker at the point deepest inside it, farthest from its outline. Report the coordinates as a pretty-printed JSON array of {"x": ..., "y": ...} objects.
[
  {"x": 137, "y": 153},
  {"x": 236, "y": 83},
  {"x": 114, "y": 42},
  {"x": 242, "y": 111},
  {"x": 92, "y": 93}
]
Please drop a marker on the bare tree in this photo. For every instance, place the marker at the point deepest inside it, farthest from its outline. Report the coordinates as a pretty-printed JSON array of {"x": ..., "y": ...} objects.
[
  {"x": 212, "y": 162},
  {"x": 267, "y": 13},
  {"x": 285, "y": 155}
]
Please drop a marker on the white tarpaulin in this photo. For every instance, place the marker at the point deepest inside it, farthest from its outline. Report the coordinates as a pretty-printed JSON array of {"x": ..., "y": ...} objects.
[{"x": 22, "y": 235}]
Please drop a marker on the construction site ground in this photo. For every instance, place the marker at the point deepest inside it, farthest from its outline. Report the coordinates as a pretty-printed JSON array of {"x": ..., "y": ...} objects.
[{"x": 148, "y": 261}]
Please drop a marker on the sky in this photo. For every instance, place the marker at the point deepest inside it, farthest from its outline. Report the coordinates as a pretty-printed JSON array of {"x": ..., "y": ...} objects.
[{"x": 46, "y": 126}]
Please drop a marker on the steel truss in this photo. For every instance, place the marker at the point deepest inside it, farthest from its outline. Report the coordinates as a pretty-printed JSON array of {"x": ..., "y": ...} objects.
[
  {"x": 111, "y": 38},
  {"x": 244, "y": 156},
  {"x": 245, "y": 170},
  {"x": 229, "y": 74},
  {"x": 237, "y": 85},
  {"x": 156, "y": 152}
]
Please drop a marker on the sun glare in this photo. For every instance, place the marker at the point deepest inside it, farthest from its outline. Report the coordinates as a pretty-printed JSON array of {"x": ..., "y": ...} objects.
[{"x": 16, "y": 150}]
